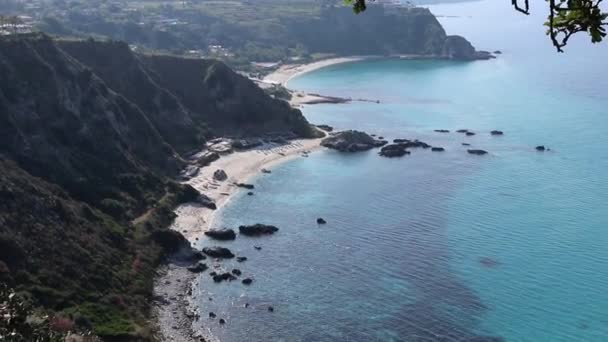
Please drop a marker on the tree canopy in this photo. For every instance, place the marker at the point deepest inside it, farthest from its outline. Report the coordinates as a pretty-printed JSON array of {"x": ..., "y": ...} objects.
[{"x": 565, "y": 18}]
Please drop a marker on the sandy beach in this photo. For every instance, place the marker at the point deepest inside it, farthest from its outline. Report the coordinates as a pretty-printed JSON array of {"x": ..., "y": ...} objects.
[
  {"x": 288, "y": 71},
  {"x": 174, "y": 310}
]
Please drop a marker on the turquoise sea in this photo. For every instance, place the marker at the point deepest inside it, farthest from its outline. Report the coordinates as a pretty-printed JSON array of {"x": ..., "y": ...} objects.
[{"x": 445, "y": 246}]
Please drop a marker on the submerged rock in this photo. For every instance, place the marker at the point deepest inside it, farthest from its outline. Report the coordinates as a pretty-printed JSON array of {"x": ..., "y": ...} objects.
[
  {"x": 218, "y": 278},
  {"x": 241, "y": 259},
  {"x": 540, "y": 148},
  {"x": 257, "y": 248},
  {"x": 495, "y": 132},
  {"x": 321, "y": 221},
  {"x": 258, "y": 229},
  {"x": 351, "y": 141},
  {"x": 437, "y": 149},
  {"x": 266, "y": 171},
  {"x": 220, "y": 175},
  {"x": 250, "y": 193},
  {"x": 470, "y": 133},
  {"x": 466, "y": 144},
  {"x": 462, "y": 130},
  {"x": 221, "y": 234},
  {"x": 477, "y": 152},
  {"x": 218, "y": 252},
  {"x": 442, "y": 130},
  {"x": 271, "y": 309}
]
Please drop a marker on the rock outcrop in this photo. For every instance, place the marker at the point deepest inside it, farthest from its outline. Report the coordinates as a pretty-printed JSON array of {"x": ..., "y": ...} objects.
[
  {"x": 220, "y": 175},
  {"x": 351, "y": 141},
  {"x": 221, "y": 234},
  {"x": 258, "y": 229},
  {"x": 218, "y": 252},
  {"x": 477, "y": 152}
]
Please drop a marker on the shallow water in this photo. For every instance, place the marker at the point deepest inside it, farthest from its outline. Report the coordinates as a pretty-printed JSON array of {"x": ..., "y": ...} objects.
[{"x": 437, "y": 246}]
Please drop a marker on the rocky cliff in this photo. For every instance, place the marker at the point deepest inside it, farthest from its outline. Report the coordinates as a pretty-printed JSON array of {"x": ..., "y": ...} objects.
[{"x": 91, "y": 136}]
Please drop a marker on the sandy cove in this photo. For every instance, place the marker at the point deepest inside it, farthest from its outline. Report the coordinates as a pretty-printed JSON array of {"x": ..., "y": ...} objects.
[{"x": 174, "y": 310}]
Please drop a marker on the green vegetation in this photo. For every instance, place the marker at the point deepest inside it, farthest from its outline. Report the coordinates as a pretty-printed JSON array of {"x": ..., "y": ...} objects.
[
  {"x": 91, "y": 136},
  {"x": 241, "y": 31}
]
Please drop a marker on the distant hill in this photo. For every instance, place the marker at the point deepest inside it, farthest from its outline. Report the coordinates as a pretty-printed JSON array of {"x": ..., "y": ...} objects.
[
  {"x": 91, "y": 137},
  {"x": 263, "y": 31}
]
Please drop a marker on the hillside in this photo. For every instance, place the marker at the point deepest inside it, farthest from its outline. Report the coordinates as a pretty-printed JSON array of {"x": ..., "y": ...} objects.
[
  {"x": 241, "y": 32},
  {"x": 91, "y": 137}
]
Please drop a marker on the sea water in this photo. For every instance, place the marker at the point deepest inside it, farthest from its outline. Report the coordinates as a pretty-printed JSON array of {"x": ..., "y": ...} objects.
[{"x": 437, "y": 246}]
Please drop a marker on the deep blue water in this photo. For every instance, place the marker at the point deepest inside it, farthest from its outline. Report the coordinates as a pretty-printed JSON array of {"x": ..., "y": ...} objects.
[{"x": 438, "y": 246}]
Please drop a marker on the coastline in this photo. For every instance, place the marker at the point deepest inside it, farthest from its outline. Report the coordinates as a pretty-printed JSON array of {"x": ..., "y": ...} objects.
[
  {"x": 287, "y": 72},
  {"x": 174, "y": 308}
]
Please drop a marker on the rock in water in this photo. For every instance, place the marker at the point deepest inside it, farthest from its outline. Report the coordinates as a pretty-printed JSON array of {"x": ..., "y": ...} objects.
[
  {"x": 247, "y": 281},
  {"x": 222, "y": 321},
  {"x": 236, "y": 272},
  {"x": 271, "y": 309},
  {"x": 540, "y": 148},
  {"x": 495, "y": 132},
  {"x": 258, "y": 229},
  {"x": 442, "y": 130},
  {"x": 220, "y": 175},
  {"x": 257, "y": 248},
  {"x": 218, "y": 252},
  {"x": 250, "y": 193},
  {"x": 351, "y": 141},
  {"x": 466, "y": 144},
  {"x": 206, "y": 202},
  {"x": 477, "y": 152},
  {"x": 437, "y": 149},
  {"x": 266, "y": 171},
  {"x": 212, "y": 315},
  {"x": 321, "y": 221},
  {"x": 241, "y": 259},
  {"x": 462, "y": 130},
  {"x": 245, "y": 186},
  {"x": 200, "y": 267},
  {"x": 224, "y": 276},
  {"x": 394, "y": 150},
  {"x": 470, "y": 133},
  {"x": 221, "y": 234}
]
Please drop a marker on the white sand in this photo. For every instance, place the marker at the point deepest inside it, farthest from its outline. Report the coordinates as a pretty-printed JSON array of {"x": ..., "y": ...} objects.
[
  {"x": 194, "y": 220},
  {"x": 288, "y": 71}
]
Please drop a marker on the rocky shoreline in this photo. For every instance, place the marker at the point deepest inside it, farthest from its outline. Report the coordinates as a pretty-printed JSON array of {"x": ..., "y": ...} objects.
[{"x": 237, "y": 161}]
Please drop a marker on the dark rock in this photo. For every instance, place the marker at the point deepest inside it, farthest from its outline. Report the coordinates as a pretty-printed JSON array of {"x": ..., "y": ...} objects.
[
  {"x": 393, "y": 150},
  {"x": 258, "y": 229},
  {"x": 245, "y": 185},
  {"x": 247, "y": 281},
  {"x": 250, "y": 193},
  {"x": 437, "y": 149},
  {"x": 266, "y": 171},
  {"x": 207, "y": 158},
  {"x": 206, "y": 202},
  {"x": 221, "y": 234},
  {"x": 213, "y": 274},
  {"x": 271, "y": 309},
  {"x": 258, "y": 248},
  {"x": 218, "y": 252},
  {"x": 321, "y": 221},
  {"x": 220, "y": 175},
  {"x": 401, "y": 141},
  {"x": 351, "y": 141},
  {"x": 466, "y": 144},
  {"x": 470, "y": 133},
  {"x": 198, "y": 255},
  {"x": 540, "y": 148},
  {"x": 497, "y": 52},
  {"x": 244, "y": 144},
  {"x": 495, "y": 132},
  {"x": 458, "y": 48},
  {"x": 172, "y": 241},
  {"x": 462, "y": 130},
  {"x": 189, "y": 172},
  {"x": 241, "y": 259},
  {"x": 212, "y": 315},
  {"x": 224, "y": 276},
  {"x": 478, "y": 152},
  {"x": 326, "y": 128},
  {"x": 200, "y": 267},
  {"x": 442, "y": 130},
  {"x": 236, "y": 272},
  {"x": 222, "y": 321},
  {"x": 381, "y": 138}
]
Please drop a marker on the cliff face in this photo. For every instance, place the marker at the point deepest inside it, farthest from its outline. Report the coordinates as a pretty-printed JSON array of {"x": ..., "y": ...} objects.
[{"x": 90, "y": 137}]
